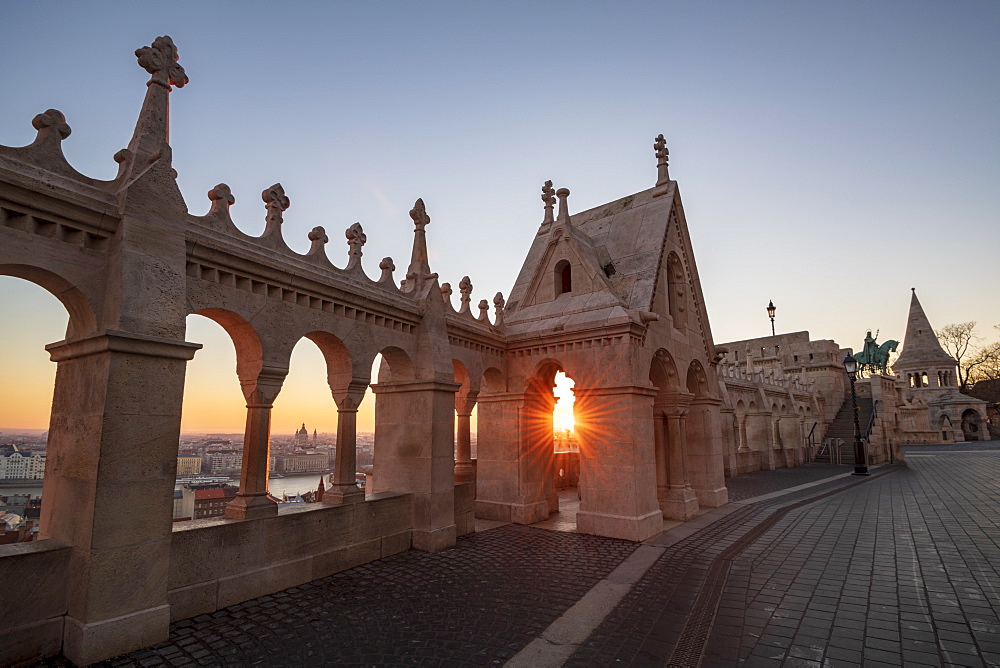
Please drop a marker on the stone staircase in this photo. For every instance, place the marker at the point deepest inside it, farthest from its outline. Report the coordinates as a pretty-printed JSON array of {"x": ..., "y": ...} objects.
[{"x": 842, "y": 430}]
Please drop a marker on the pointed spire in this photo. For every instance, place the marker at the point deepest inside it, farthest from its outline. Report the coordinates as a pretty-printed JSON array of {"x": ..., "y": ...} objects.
[
  {"x": 920, "y": 345},
  {"x": 419, "y": 269},
  {"x": 662, "y": 155},
  {"x": 152, "y": 131}
]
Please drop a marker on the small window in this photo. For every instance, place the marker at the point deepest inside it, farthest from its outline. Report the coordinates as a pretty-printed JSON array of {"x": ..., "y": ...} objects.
[{"x": 564, "y": 277}]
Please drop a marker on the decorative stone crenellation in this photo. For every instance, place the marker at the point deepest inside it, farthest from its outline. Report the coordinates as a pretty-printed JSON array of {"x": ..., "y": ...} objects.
[
  {"x": 276, "y": 203},
  {"x": 356, "y": 240}
]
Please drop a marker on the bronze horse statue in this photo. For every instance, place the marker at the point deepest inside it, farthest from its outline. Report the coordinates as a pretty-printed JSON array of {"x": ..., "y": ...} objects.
[{"x": 874, "y": 358}]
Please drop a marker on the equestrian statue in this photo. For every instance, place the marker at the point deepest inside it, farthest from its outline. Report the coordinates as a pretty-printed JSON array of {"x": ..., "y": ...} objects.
[{"x": 874, "y": 358}]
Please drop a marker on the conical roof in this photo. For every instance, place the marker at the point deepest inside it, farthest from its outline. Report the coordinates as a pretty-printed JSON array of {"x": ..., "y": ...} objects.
[{"x": 921, "y": 347}]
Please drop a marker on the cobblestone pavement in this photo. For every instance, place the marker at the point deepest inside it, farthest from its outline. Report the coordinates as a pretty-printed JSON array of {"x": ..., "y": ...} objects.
[
  {"x": 476, "y": 604},
  {"x": 759, "y": 483},
  {"x": 900, "y": 570},
  {"x": 902, "y": 567}
]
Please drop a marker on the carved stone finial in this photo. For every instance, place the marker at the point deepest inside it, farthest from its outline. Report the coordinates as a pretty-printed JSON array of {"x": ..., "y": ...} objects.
[
  {"x": 465, "y": 287},
  {"x": 160, "y": 60},
  {"x": 563, "y": 195},
  {"x": 222, "y": 198},
  {"x": 317, "y": 237},
  {"x": 446, "y": 293},
  {"x": 419, "y": 215},
  {"x": 355, "y": 240},
  {"x": 484, "y": 307},
  {"x": 662, "y": 155},
  {"x": 387, "y": 266},
  {"x": 548, "y": 193},
  {"x": 276, "y": 203},
  {"x": 51, "y": 123},
  {"x": 499, "y": 303},
  {"x": 223, "y": 194}
]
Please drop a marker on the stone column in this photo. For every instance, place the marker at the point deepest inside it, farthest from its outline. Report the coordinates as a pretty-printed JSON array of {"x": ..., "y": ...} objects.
[
  {"x": 680, "y": 501},
  {"x": 704, "y": 458},
  {"x": 506, "y": 488},
  {"x": 660, "y": 449},
  {"x": 618, "y": 485},
  {"x": 463, "y": 437},
  {"x": 344, "y": 488},
  {"x": 251, "y": 501},
  {"x": 109, "y": 480},
  {"x": 415, "y": 454}
]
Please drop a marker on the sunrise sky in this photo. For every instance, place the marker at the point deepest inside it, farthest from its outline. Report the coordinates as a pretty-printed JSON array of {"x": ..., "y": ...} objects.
[{"x": 830, "y": 155}]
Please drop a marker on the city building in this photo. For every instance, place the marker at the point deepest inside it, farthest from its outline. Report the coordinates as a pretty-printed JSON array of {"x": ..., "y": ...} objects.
[
  {"x": 19, "y": 465},
  {"x": 188, "y": 464}
]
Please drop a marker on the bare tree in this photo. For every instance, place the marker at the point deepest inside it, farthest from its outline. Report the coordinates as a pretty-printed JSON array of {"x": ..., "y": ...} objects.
[
  {"x": 956, "y": 339},
  {"x": 984, "y": 363}
]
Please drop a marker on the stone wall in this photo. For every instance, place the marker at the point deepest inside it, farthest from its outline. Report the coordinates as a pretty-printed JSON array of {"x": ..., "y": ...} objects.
[
  {"x": 215, "y": 563},
  {"x": 33, "y": 604}
]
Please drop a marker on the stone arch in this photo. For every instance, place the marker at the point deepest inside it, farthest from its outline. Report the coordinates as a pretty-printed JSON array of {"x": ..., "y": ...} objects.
[
  {"x": 972, "y": 428},
  {"x": 493, "y": 381},
  {"x": 672, "y": 438},
  {"x": 249, "y": 349},
  {"x": 537, "y": 438},
  {"x": 81, "y": 312},
  {"x": 340, "y": 369},
  {"x": 663, "y": 372},
  {"x": 697, "y": 380},
  {"x": 396, "y": 366}
]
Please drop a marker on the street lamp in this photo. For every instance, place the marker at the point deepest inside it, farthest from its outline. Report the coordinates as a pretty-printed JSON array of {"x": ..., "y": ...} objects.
[
  {"x": 770, "y": 313},
  {"x": 860, "y": 458}
]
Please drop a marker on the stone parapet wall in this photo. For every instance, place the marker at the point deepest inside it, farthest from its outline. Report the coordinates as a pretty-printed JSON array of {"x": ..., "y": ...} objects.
[
  {"x": 215, "y": 563},
  {"x": 33, "y": 603}
]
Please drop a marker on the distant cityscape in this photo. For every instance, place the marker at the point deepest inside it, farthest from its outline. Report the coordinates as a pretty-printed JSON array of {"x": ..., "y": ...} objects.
[{"x": 208, "y": 468}]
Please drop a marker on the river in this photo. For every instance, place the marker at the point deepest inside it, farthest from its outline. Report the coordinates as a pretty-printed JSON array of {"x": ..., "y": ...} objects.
[{"x": 290, "y": 485}]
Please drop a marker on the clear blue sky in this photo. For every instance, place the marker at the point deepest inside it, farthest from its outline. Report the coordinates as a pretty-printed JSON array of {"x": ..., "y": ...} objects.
[{"x": 830, "y": 155}]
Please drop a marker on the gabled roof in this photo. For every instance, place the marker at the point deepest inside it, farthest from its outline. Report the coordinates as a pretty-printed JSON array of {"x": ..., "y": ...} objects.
[{"x": 626, "y": 240}]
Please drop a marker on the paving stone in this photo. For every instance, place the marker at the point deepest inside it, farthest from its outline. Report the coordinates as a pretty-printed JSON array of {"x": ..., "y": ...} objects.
[{"x": 891, "y": 569}]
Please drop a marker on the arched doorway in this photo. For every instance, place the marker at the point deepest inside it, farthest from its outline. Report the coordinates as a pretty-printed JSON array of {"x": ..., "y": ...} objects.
[{"x": 972, "y": 428}]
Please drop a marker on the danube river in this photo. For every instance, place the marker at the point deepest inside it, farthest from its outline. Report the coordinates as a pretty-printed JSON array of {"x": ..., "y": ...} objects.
[{"x": 290, "y": 485}]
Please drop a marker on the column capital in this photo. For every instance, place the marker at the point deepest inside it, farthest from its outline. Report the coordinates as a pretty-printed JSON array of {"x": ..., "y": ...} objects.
[{"x": 122, "y": 342}]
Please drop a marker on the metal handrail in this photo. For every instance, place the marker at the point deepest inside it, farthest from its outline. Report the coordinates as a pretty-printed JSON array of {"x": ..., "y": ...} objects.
[
  {"x": 810, "y": 441},
  {"x": 871, "y": 423}
]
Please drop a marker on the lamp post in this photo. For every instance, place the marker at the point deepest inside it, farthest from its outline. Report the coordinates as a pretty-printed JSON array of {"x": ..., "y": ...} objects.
[
  {"x": 860, "y": 458},
  {"x": 770, "y": 313}
]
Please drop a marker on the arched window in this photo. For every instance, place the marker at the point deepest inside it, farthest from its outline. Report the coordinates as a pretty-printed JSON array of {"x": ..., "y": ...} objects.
[
  {"x": 564, "y": 277},
  {"x": 924, "y": 381}
]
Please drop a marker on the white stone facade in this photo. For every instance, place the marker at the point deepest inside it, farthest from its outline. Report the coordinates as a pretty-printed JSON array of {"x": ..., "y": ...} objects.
[{"x": 22, "y": 466}]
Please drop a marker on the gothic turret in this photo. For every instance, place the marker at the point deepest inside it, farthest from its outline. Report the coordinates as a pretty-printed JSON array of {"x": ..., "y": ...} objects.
[{"x": 923, "y": 362}]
